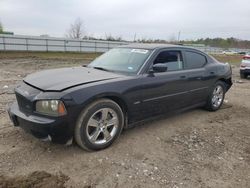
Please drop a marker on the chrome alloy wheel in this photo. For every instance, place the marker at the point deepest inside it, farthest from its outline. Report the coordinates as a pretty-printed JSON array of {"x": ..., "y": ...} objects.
[
  {"x": 102, "y": 126},
  {"x": 217, "y": 97}
]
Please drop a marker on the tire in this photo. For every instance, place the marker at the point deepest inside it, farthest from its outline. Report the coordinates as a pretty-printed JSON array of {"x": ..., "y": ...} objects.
[
  {"x": 216, "y": 96},
  {"x": 94, "y": 129},
  {"x": 243, "y": 75}
]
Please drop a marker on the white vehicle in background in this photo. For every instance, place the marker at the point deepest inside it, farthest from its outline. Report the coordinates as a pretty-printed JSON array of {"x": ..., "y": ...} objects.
[
  {"x": 229, "y": 52},
  {"x": 245, "y": 66}
]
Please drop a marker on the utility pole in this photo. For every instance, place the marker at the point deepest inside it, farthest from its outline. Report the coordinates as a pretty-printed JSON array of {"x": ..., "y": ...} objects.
[
  {"x": 179, "y": 36},
  {"x": 134, "y": 37}
]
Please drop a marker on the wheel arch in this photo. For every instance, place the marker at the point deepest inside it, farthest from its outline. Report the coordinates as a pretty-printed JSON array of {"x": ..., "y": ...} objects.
[
  {"x": 114, "y": 97},
  {"x": 227, "y": 81}
]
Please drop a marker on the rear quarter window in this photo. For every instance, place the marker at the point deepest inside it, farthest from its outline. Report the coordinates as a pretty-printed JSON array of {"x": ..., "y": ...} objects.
[{"x": 195, "y": 60}]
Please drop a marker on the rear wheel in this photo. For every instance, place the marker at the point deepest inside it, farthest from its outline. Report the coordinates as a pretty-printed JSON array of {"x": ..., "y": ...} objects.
[
  {"x": 99, "y": 125},
  {"x": 216, "y": 96}
]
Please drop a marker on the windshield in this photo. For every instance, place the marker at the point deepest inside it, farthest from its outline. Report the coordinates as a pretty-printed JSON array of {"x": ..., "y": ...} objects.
[{"x": 124, "y": 60}]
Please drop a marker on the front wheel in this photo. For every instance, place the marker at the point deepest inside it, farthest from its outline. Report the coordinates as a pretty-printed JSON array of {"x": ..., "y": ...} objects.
[
  {"x": 99, "y": 125},
  {"x": 216, "y": 96}
]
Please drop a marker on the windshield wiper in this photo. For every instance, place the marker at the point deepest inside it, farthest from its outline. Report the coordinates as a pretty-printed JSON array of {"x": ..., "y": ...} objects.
[{"x": 101, "y": 68}]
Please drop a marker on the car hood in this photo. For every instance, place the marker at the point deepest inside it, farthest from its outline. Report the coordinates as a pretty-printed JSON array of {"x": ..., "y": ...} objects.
[{"x": 65, "y": 78}]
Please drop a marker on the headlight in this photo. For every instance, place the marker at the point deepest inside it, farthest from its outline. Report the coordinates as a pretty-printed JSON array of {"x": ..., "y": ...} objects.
[{"x": 51, "y": 107}]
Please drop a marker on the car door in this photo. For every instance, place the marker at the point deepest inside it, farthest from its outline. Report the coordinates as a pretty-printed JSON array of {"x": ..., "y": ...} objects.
[
  {"x": 164, "y": 91},
  {"x": 197, "y": 78}
]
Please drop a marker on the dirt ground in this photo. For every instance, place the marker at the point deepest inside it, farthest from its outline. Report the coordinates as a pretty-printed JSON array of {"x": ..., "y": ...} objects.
[{"x": 193, "y": 149}]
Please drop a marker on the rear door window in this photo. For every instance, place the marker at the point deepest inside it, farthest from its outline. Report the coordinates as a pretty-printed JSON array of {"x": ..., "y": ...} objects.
[{"x": 195, "y": 60}]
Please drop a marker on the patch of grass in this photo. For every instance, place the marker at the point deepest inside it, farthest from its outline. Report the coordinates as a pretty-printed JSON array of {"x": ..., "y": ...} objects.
[
  {"x": 49, "y": 55},
  {"x": 232, "y": 59}
]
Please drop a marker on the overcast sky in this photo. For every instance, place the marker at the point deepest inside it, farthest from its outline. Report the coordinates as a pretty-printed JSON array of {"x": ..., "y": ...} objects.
[{"x": 148, "y": 19}]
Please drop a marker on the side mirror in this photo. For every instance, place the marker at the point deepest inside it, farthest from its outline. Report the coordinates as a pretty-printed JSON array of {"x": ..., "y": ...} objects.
[{"x": 160, "y": 67}]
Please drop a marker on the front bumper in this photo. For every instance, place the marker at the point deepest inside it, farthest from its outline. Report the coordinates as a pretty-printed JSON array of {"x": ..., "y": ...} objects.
[{"x": 56, "y": 128}]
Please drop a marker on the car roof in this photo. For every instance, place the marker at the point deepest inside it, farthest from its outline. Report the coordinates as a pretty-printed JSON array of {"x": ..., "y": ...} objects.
[{"x": 152, "y": 46}]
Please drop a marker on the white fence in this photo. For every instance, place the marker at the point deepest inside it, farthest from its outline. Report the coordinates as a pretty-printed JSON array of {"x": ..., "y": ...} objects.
[{"x": 49, "y": 44}]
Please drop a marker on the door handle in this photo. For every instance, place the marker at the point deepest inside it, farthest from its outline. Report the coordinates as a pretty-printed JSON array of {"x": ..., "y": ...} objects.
[
  {"x": 211, "y": 72},
  {"x": 183, "y": 77}
]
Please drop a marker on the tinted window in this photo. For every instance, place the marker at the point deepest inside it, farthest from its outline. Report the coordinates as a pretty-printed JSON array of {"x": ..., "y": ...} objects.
[
  {"x": 195, "y": 60},
  {"x": 173, "y": 59}
]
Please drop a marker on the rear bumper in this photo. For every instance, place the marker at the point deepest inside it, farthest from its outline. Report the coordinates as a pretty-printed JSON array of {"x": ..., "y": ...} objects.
[
  {"x": 41, "y": 127},
  {"x": 244, "y": 71}
]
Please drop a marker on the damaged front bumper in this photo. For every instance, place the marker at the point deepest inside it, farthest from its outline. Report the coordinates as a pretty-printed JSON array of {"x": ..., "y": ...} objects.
[{"x": 55, "y": 129}]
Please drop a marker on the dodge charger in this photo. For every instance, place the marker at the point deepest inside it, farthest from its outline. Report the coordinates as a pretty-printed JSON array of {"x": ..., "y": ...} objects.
[{"x": 92, "y": 104}]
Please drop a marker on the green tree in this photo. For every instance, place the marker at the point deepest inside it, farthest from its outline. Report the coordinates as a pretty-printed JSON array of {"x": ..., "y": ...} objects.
[
  {"x": 1, "y": 28},
  {"x": 221, "y": 42}
]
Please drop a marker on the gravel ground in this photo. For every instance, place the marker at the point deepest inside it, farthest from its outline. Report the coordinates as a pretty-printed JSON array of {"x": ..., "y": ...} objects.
[{"x": 193, "y": 149}]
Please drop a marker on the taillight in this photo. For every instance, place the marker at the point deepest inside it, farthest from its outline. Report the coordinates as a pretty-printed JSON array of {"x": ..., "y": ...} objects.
[{"x": 246, "y": 58}]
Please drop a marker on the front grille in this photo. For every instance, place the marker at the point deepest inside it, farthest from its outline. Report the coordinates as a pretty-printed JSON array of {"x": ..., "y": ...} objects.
[{"x": 24, "y": 104}]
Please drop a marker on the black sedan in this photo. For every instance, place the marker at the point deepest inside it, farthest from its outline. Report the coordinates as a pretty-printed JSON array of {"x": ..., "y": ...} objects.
[{"x": 93, "y": 104}]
